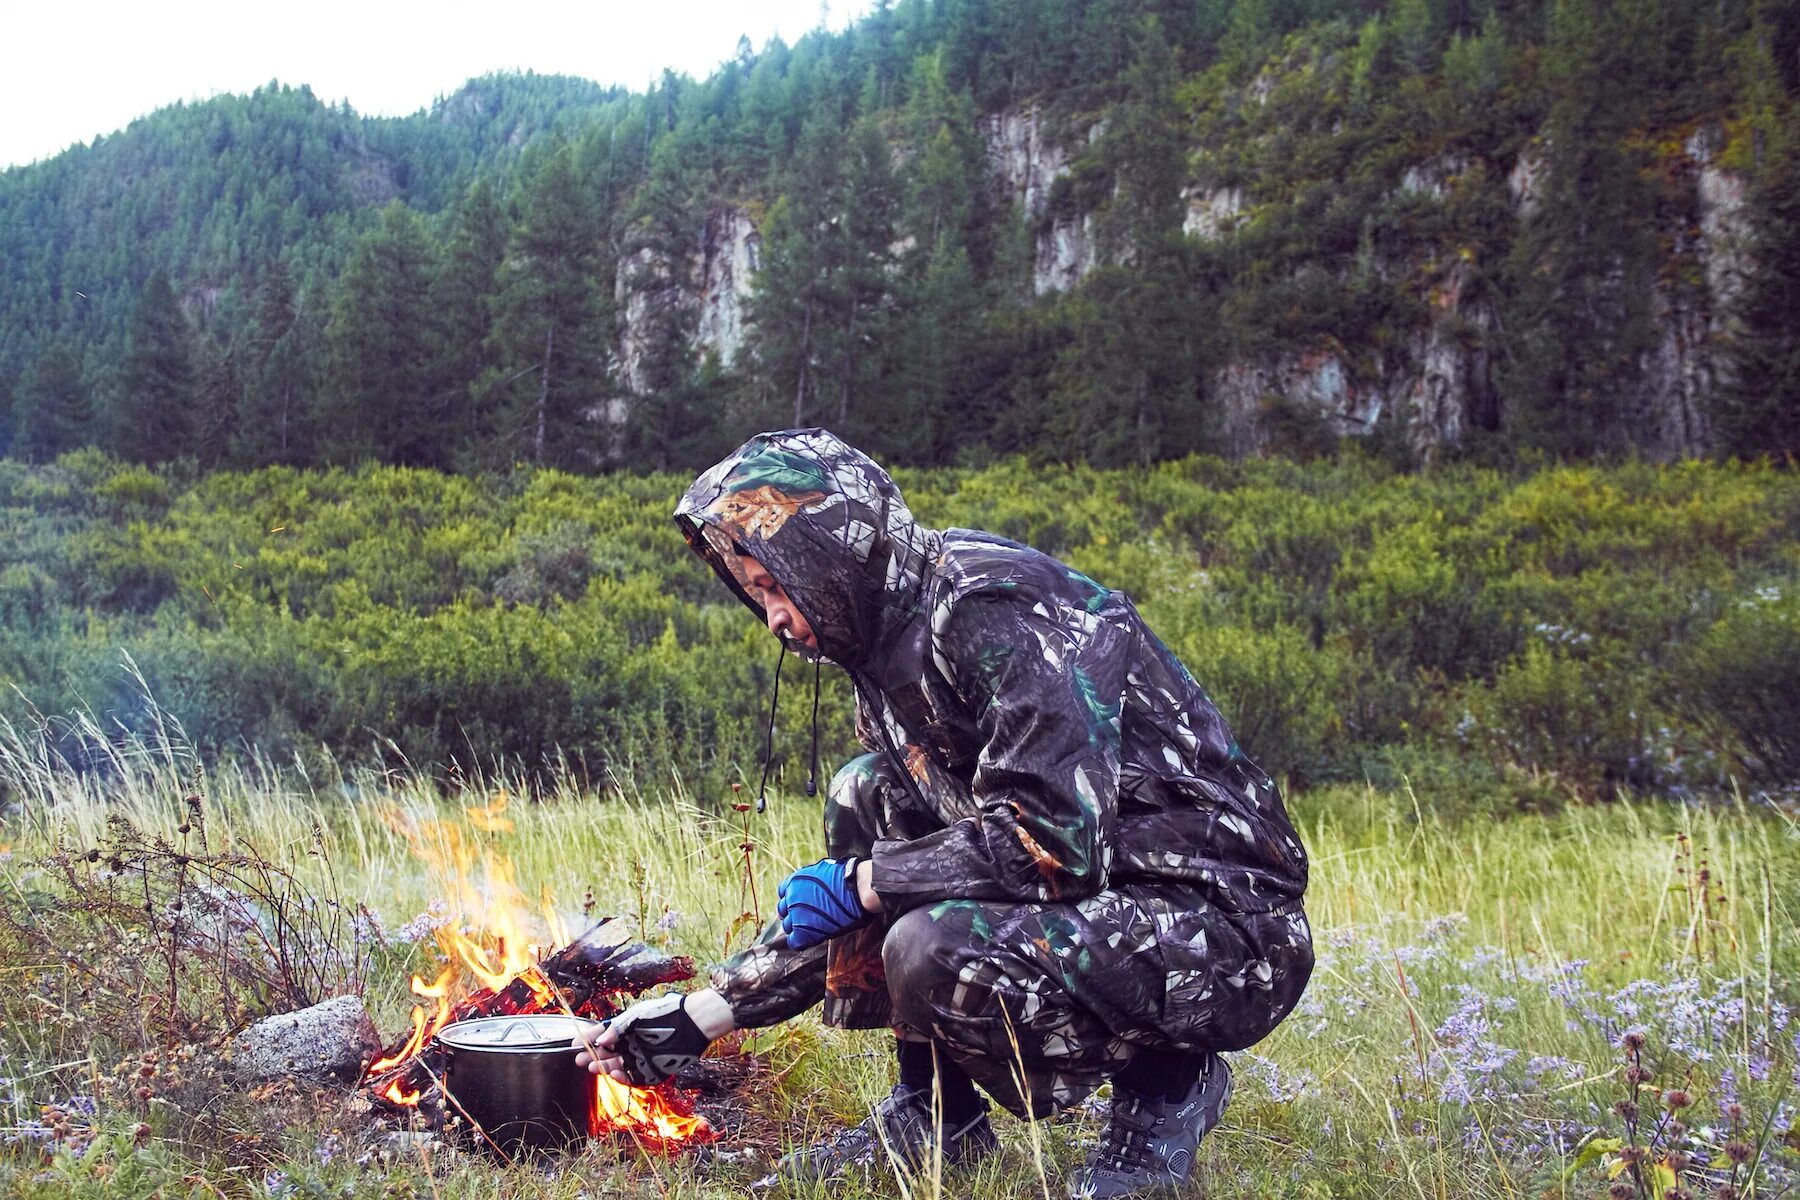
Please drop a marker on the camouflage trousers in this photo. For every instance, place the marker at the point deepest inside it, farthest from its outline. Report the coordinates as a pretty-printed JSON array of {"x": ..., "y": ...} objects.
[{"x": 1042, "y": 1003}]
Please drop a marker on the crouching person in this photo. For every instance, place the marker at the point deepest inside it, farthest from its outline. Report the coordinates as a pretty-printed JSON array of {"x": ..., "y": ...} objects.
[{"x": 1053, "y": 868}]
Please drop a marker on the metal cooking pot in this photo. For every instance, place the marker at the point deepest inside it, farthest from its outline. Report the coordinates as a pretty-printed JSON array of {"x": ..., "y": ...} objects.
[{"x": 516, "y": 1077}]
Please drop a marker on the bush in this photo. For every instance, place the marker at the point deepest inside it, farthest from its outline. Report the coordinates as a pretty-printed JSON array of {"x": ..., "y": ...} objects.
[
  {"x": 1547, "y": 710},
  {"x": 1598, "y": 627},
  {"x": 1741, "y": 681}
]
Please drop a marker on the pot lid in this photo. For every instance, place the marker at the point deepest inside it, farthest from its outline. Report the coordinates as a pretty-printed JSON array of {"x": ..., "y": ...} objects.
[{"x": 531, "y": 1031}]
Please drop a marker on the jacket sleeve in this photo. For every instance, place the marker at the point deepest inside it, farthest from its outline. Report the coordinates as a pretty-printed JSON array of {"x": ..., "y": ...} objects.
[
  {"x": 768, "y": 981},
  {"x": 1044, "y": 689}
]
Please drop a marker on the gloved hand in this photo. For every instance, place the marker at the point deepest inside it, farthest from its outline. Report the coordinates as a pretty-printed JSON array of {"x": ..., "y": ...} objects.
[
  {"x": 645, "y": 1044},
  {"x": 820, "y": 902}
]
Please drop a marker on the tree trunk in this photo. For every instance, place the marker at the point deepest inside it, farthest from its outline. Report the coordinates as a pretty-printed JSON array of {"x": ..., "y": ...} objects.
[
  {"x": 543, "y": 400},
  {"x": 805, "y": 358},
  {"x": 849, "y": 367},
  {"x": 1143, "y": 417}
]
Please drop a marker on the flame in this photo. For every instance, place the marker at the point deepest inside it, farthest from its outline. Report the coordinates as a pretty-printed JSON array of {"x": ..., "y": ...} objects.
[
  {"x": 646, "y": 1114},
  {"x": 397, "y": 1092},
  {"x": 489, "y": 943},
  {"x": 422, "y": 1026}
]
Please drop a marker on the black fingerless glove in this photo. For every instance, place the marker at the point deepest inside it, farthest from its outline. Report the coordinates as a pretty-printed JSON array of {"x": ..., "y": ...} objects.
[{"x": 657, "y": 1038}]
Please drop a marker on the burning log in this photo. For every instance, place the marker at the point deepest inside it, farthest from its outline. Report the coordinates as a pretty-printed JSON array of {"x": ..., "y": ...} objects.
[
  {"x": 586, "y": 978},
  {"x": 333, "y": 1040}
]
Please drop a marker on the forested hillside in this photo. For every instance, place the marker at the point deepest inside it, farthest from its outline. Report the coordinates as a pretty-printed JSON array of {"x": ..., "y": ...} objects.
[{"x": 1119, "y": 230}]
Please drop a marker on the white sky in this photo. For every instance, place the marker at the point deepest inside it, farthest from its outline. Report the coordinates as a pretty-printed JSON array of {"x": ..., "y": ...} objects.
[{"x": 78, "y": 68}]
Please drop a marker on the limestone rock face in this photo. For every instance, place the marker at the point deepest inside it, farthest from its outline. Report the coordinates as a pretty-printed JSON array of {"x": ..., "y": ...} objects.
[
  {"x": 1692, "y": 320},
  {"x": 651, "y": 290},
  {"x": 334, "y": 1039},
  {"x": 1211, "y": 212},
  {"x": 1023, "y": 161},
  {"x": 1066, "y": 252},
  {"x": 730, "y": 252},
  {"x": 703, "y": 291}
]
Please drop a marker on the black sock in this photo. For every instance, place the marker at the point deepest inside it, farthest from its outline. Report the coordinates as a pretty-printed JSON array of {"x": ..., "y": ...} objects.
[
  {"x": 1160, "y": 1074},
  {"x": 961, "y": 1102}
]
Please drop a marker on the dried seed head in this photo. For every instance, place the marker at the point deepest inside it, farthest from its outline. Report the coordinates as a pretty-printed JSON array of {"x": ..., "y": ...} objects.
[
  {"x": 1627, "y": 1110},
  {"x": 1634, "y": 1040},
  {"x": 1620, "y": 1190},
  {"x": 1677, "y": 1098},
  {"x": 1636, "y": 1075},
  {"x": 1739, "y": 1152}
]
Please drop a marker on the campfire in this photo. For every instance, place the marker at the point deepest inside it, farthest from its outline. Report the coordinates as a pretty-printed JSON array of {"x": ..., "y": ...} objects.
[{"x": 496, "y": 968}]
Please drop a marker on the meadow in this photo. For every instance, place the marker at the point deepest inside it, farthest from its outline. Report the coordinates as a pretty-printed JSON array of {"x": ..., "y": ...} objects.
[
  {"x": 1465, "y": 1034},
  {"x": 1537, "y": 729}
]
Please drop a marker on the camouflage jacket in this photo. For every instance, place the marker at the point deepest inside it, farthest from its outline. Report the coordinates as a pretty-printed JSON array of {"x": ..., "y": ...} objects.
[{"x": 1061, "y": 745}]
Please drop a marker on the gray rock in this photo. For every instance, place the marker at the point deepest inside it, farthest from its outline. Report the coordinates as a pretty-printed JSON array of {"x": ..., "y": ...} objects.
[{"x": 332, "y": 1040}]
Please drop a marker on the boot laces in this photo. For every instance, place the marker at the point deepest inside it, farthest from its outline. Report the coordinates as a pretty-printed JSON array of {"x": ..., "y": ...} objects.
[{"x": 1125, "y": 1144}]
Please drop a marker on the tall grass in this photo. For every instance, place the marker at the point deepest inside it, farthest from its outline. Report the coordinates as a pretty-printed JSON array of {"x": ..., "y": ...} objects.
[{"x": 1460, "y": 1037}]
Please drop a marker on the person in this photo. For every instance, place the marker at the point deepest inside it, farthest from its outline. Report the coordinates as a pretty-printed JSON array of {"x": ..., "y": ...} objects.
[{"x": 1053, "y": 867}]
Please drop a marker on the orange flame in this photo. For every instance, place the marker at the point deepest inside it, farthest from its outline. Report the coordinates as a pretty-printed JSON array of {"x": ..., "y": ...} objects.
[
  {"x": 399, "y": 1095},
  {"x": 489, "y": 938},
  {"x": 643, "y": 1113}
]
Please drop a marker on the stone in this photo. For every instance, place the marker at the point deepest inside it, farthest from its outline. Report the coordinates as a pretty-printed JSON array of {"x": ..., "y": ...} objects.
[{"x": 333, "y": 1040}]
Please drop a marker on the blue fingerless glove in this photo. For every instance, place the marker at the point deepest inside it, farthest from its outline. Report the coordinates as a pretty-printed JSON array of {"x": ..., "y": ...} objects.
[{"x": 820, "y": 902}]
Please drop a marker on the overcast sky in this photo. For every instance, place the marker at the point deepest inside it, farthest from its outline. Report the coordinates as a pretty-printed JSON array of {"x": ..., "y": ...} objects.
[{"x": 80, "y": 68}]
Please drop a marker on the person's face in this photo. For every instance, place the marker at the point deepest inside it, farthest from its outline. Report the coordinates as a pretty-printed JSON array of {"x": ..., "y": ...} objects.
[{"x": 783, "y": 617}]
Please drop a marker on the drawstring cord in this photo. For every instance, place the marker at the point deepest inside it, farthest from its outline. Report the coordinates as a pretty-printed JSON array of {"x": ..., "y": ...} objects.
[
  {"x": 812, "y": 771},
  {"x": 762, "y": 788}
]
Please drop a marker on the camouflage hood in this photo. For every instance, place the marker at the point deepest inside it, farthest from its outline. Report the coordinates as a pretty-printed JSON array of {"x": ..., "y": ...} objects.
[{"x": 830, "y": 526}]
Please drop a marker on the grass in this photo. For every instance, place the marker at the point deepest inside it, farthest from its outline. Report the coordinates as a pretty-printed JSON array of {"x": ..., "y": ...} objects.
[{"x": 1448, "y": 1046}]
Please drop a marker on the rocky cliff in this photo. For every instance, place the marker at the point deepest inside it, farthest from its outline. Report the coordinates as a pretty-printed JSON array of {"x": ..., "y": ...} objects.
[{"x": 1437, "y": 382}]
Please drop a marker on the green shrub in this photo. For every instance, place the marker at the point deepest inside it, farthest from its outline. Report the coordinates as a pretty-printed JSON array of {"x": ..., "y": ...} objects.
[
  {"x": 1549, "y": 711},
  {"x": 1581, "y": 627},
  {"x": 1741, "y": 681}
]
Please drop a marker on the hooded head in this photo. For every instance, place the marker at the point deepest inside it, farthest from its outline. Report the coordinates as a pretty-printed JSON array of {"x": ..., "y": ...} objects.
[{"x": 829, "y": 525}]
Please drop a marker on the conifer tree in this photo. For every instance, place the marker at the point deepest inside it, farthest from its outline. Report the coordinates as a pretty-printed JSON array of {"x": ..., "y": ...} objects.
[
  {"x": 548, "y": 377},
  {"x": 51, "y": 409},
  {"x": 871, "y": 205},
  {"x": 1758, "y": 410},
  {"x": 275, "y": 396},
  {"x": 463, "y": 296},
  {"x": 383, "y": 338},
  {"x": 798, "y": 288},
  {"x": 153, "y": 420},
  {"x": 217, "y": 388},
  {"x": 1582, "y": 271},
  {"x": 1126, "y": 388},
  {"x": 665, "y": 415}
]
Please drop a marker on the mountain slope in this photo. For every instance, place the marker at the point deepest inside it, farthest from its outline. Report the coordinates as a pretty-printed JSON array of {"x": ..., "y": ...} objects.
[{"x": 1116, "y": 229}]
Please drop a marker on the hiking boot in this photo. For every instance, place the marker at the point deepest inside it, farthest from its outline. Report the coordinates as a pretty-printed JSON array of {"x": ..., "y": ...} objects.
[
  {"x": 900, "y": 1130},
  {"x": 1148, "y": 1144}
]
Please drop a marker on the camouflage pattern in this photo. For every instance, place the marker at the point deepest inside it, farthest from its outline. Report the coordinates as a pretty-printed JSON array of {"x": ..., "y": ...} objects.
[{"x": 1072, "y": 850}]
